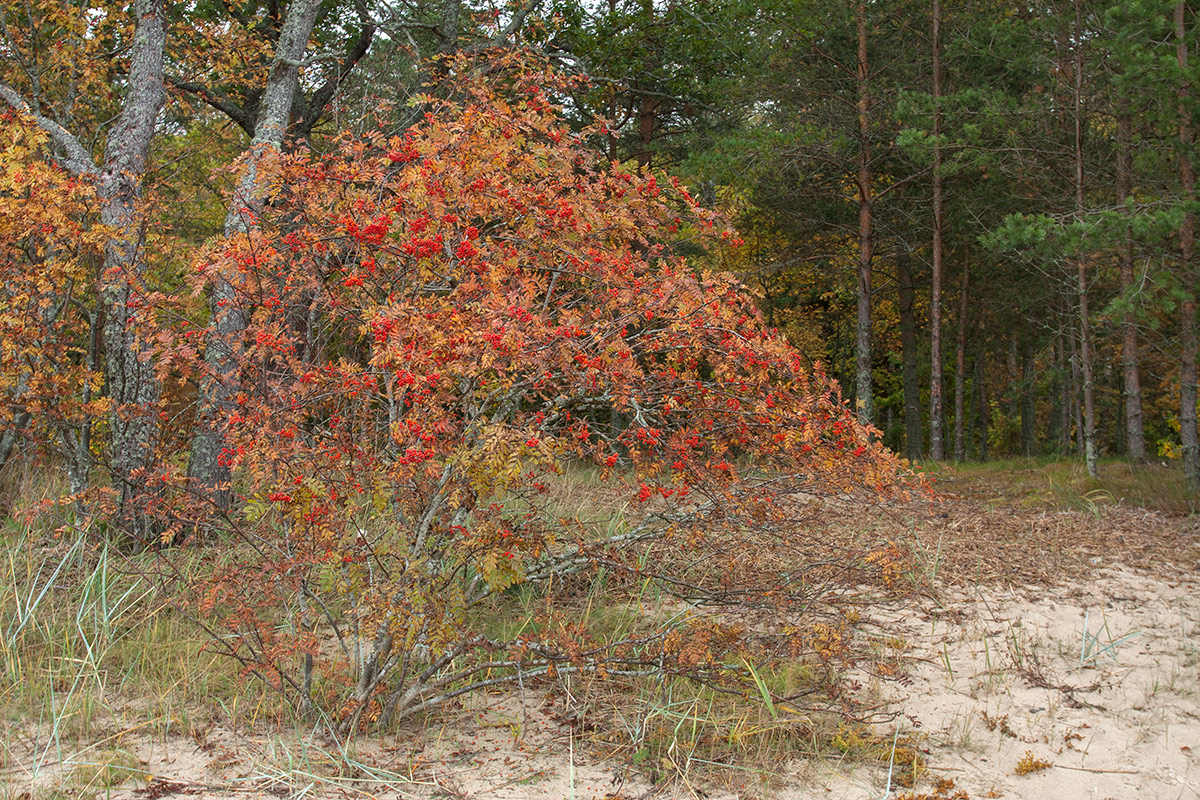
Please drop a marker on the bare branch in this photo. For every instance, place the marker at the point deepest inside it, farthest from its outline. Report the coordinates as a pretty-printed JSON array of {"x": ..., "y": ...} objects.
[
  {"x": 75, "y": 158},
  {"x": 240, "y": 115},
  {"x": 323, "y": 95}
]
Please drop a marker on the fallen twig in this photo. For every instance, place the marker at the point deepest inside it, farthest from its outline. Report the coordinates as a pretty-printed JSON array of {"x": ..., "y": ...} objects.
[{"x": 1108, "y": 771}]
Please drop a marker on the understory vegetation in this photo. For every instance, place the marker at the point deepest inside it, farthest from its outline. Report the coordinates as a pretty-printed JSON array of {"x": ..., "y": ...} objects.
[
  {"x": 96, "y": 656},
  {"x": 98, "y": 668}
]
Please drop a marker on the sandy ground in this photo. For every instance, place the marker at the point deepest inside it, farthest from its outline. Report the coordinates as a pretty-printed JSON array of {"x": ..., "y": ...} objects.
[
  {"x": 1098, "y": 679},
  {"x": 1082, "y": 663}
]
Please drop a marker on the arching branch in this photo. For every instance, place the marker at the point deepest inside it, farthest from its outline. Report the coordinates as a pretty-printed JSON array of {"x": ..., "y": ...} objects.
[{"x": 75, "y": 158}]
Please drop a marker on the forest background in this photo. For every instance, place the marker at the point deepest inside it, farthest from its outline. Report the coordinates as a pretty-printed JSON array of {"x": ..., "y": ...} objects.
[{"x": 976, "y": 216}]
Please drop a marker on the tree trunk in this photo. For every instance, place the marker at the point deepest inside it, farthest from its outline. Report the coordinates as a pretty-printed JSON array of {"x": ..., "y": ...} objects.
[
  {"x": 936, "y": 415},
  {"x": 1076, "y": 408},
  {"x": 647, "y": 120},
  {"x": 209, "y": 475},
  {"x": 1187, "y": 238},
  {"x": 960, "y": 371},
  {"x": 1028, "y": 409},
  {"x": 132, "y": 383},
  {"x": 1085, "y": 334},
  {"x": 864, "y": 399},
  {"x": 1135, "y": 439},
  {"x": 914, "y": 429},
  {"x": 8, "y": 439},
  {"x": 1012, "y": 395},
  {"x": 1057, "y": 419},
  {"x": 449, "y": 28},
  {"x": 981, "y": 385},
  {"x": 77, "y": 441}
]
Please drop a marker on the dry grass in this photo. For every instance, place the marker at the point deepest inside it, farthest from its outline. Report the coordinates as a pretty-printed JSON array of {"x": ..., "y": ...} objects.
[{"x": 90, "y": 659}]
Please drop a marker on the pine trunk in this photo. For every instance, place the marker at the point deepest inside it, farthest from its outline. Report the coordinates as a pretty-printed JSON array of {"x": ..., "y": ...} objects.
[
  {"x": 981, "y": 386},
  {"x": 1028, "y": 408},
  {"x": 647, "y": 121},
  {"x": 1074, "y": 392},
  {"x": 1187, "y": 239},
  {"x": 914, "y": 429},
  {"x": 960, "y": 371},
  {"x": 1135, "y": 439},
  {"x": 937, "y": 450},
  {"x": 864, "y": 399},
  {"x": 1085, "y": 333}
]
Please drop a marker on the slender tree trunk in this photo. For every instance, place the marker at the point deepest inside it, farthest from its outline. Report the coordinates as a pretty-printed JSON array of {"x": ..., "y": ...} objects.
[
  {"x": 981, "y": 386},
  {"x": 1012, "y": 395},
  {"x": 1187, "y": 239},
  {"x": 914, "y": 429},
  {"x": 1135, "y": 439},
  {"x": 1076, "y": 408},
  {"x": 936, "y": 415},
  {"x": 132, "y": 383},
  {"x": 77, "y": 440},
  {"x": 1028, "y": 409},
  {"x": 1055, "y": 421},
  {"x": 30, "y": 368},
  {"x": 208, "y": 471},
  {"x": 864, "y": 399},
  {"x": 960, "y": 370},
  {"x": 1085, "y": 333}
]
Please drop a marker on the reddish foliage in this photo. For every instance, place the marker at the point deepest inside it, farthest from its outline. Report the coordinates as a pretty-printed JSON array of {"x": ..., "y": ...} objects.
[
  {"x": 441, "y": 325},
  {"x": 50, "y": 251}
]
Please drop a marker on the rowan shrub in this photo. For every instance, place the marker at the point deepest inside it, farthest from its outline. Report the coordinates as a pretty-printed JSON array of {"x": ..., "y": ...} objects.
[
  {"x": 51, "y": 248},
  {"x": 447, "y": 326}
]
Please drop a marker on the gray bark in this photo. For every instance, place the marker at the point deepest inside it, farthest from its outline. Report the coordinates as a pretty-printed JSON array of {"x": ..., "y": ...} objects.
[
  {"x": 228, "y": 320},
  {"x": 1135, "y": 439},
  {"x": 960, "y": 370},
  {"x": 1085, "y": 328},
  {"x": 937, "y": 448},
  {"x": 449, "y": 28},
  {"x": 8, "y": 440},
  {"x": 133, "y": 385},
  {"x": 72, "y": 156}
]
